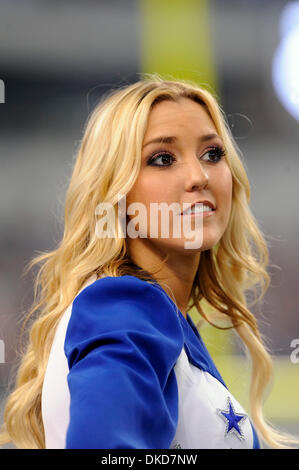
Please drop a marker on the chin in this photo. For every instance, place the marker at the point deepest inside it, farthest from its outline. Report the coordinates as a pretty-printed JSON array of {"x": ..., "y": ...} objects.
[{"x": 183, "y": 246}]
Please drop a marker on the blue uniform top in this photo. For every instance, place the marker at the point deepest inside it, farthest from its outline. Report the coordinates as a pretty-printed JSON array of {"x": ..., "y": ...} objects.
[{"x": 128, "y": 370}]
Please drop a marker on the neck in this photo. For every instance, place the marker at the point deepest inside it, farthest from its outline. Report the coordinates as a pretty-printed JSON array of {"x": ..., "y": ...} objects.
[{"x": 176, "y": 275}]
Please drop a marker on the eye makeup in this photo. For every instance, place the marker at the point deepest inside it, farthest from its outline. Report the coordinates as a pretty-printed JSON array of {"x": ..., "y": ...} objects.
[{"x": 216, "y": 153}]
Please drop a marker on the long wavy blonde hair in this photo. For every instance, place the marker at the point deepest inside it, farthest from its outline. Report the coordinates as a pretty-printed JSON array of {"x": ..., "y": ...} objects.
[{"x": 107, "y": 164}]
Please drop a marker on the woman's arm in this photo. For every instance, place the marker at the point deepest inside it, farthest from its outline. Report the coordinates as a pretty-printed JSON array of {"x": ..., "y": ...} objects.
[{"x": 122, "y": 342}]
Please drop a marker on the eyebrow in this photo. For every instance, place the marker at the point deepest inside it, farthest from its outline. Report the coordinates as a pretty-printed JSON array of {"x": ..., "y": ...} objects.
[{"x": 172, "y": 139}]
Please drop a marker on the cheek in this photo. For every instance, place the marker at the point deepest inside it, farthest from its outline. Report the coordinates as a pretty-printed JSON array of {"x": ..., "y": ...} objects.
[
  {"x": 228, "y": 186},
  {"x": 227, "y": 197},
  {"x": 141, "y": 192},
  {"x": 149, "y": 189},
  {"x": 223, "y": 189},
  {"x": 225, "y": 182}
]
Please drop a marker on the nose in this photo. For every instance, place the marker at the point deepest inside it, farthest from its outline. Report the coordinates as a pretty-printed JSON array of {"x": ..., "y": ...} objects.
[{"x": 196, "y": 176}]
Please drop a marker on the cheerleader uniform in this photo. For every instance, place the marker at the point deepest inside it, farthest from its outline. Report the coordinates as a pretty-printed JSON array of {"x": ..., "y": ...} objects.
[{"x": 128, "y": 371}]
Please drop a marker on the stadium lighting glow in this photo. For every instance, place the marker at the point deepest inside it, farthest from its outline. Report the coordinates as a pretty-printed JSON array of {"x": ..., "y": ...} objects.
[{"x": 285, "y": 65}]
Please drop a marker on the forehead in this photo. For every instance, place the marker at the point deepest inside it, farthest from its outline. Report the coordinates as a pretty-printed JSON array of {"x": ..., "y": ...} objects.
[{"x": 175, "y": 115}]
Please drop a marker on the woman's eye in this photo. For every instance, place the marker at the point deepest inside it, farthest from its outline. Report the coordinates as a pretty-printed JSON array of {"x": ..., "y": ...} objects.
[
  {"x": 214, "y": 154},
  {"x": 165, "y": 158}
]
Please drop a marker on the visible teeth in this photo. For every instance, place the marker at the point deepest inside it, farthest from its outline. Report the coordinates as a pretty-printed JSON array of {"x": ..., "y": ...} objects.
[{"x": 197, "y": 209}]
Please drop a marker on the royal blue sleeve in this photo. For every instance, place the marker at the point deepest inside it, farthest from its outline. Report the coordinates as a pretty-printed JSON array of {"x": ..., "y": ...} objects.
[{"x": 122, "y": 342}]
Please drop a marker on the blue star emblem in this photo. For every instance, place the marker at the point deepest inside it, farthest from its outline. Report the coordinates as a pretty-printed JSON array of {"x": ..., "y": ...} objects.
[{"x": 233, "y": 420}]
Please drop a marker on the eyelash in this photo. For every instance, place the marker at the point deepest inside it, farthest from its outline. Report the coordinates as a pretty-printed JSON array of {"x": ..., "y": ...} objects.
[{"x": 220, "y": 152}]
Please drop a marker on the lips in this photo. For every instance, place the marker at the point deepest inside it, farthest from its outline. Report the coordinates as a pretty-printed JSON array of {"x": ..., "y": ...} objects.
[{"x": 206, "y": 203}]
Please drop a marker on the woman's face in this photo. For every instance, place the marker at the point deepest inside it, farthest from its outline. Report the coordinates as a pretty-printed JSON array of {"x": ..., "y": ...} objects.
[{"x": 186, "y": 166}]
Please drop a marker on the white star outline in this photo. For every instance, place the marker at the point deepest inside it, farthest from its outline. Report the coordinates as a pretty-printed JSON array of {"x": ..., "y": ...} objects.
[{"x": 233, "y": 430}]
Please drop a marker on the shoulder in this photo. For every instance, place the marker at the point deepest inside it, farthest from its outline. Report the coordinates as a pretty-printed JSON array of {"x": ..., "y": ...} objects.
[
  {"x": 116, "y": 296},
  {"x": 121, "y": 288},
  {"x": 124, "y": 307},
  {"x": 123, "y": 340}
]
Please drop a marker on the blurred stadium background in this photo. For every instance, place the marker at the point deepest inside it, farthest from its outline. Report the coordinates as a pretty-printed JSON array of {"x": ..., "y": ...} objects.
[{"x": 58, "y": 58}]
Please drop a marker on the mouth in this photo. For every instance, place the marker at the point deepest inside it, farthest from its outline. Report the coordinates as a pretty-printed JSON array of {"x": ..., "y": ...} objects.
[{"x": 199, "y": 207}]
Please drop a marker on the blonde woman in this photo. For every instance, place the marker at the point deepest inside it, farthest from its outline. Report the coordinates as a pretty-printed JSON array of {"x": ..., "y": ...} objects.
[{"x": 114, "y": 359}]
